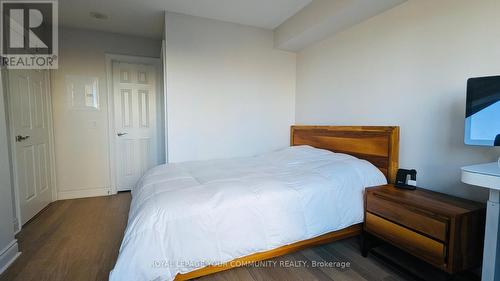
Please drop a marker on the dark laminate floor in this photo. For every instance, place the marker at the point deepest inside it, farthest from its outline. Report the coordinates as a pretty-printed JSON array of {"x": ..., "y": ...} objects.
[{"x": 79, "y": 240}]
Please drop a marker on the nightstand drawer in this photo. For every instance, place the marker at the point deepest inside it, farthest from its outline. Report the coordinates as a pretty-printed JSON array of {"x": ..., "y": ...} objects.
[
  {"x": 426, "y": 248},
  {"x": 407, "y": 216}
]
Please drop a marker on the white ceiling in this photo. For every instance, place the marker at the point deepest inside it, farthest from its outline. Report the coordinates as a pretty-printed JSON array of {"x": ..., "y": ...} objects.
[
  {"x": 324, "y": 18},
  {"x": 145, "y": 17}
]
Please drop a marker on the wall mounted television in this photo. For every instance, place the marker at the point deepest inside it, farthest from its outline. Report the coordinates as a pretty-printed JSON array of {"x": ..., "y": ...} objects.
[{"x": 482, "y": 117}]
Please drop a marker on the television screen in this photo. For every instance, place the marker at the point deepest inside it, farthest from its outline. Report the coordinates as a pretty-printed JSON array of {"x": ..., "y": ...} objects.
[{"x": 482, "y": 117}]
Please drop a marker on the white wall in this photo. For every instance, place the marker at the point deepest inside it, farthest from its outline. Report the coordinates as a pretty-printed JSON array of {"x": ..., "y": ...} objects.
[
  {"x": 408, "y": 67},
  {"x": 229, "y": 93},
  {"x": 8, "y": 244},
  {"x": 81, "y": 137}
]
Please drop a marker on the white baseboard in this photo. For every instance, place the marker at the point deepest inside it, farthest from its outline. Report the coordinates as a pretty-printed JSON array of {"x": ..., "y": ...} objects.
[
  {"x": 8, "y": 255},
  {"x": 82, "y": 193}
]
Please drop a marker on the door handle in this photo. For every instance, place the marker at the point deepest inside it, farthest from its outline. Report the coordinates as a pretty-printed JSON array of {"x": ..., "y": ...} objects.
[
  {"x": 121, "y": 134},
  {"x": 20, "y": 138}
]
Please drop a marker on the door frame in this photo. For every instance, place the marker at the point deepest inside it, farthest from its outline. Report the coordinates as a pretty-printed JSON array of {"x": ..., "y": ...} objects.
[
  {"x": 12, "y": 143},
  {"x": 157, "y": 63}
]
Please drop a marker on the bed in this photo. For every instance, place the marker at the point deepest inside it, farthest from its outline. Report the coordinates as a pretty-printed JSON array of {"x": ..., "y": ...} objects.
[{"x": 193, "y": 219}]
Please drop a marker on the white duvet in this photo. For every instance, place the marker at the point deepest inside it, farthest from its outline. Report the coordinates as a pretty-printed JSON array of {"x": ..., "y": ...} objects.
[{"x": 189, "y": 215}]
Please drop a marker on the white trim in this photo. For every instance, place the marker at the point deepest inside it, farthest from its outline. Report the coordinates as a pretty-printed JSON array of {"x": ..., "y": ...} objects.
[
  {"x": 50, "y": 127},
  {"x": 111, "y": 181},
  {"x": 12, "y": 150},
  {"x": 165, "y": 110},
  {"x": 17, "y": 226},
  {"x": 109, "y": 58},
  {"x": 8, "y": 255},
  {"x": 83, "y": 193},
  {"x": 8, "y": 115},
  {"x": 5, "y": 93}
]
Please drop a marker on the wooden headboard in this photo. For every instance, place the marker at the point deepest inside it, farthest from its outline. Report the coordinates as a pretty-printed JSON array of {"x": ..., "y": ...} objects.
[{"x": 378, "y": 145}]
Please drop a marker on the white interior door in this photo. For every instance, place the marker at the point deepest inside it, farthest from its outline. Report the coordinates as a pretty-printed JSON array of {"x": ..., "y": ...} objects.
[
  {"x": 29, "y": 106},
  {"x": 136, "y": 128}
]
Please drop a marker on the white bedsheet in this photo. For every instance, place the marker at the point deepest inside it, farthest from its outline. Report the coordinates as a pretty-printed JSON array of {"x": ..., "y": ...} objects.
[{"x": 189, "y": 215}]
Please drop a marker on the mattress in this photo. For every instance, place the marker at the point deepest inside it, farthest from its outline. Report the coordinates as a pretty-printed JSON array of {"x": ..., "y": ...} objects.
[{"x": 190, "y": 215}]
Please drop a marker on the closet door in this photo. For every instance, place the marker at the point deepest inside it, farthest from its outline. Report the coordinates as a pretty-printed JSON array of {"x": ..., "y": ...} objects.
[{"x": 136, "y": 128}]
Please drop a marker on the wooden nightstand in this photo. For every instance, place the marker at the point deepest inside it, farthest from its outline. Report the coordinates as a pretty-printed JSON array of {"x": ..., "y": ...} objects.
[{"x": 445, "y": 231}]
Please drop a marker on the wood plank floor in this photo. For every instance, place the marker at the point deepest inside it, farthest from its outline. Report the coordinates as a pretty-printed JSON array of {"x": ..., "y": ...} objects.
[
  {"x": 72, "y": 240},
  {"x": 79, "y": 240}
]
